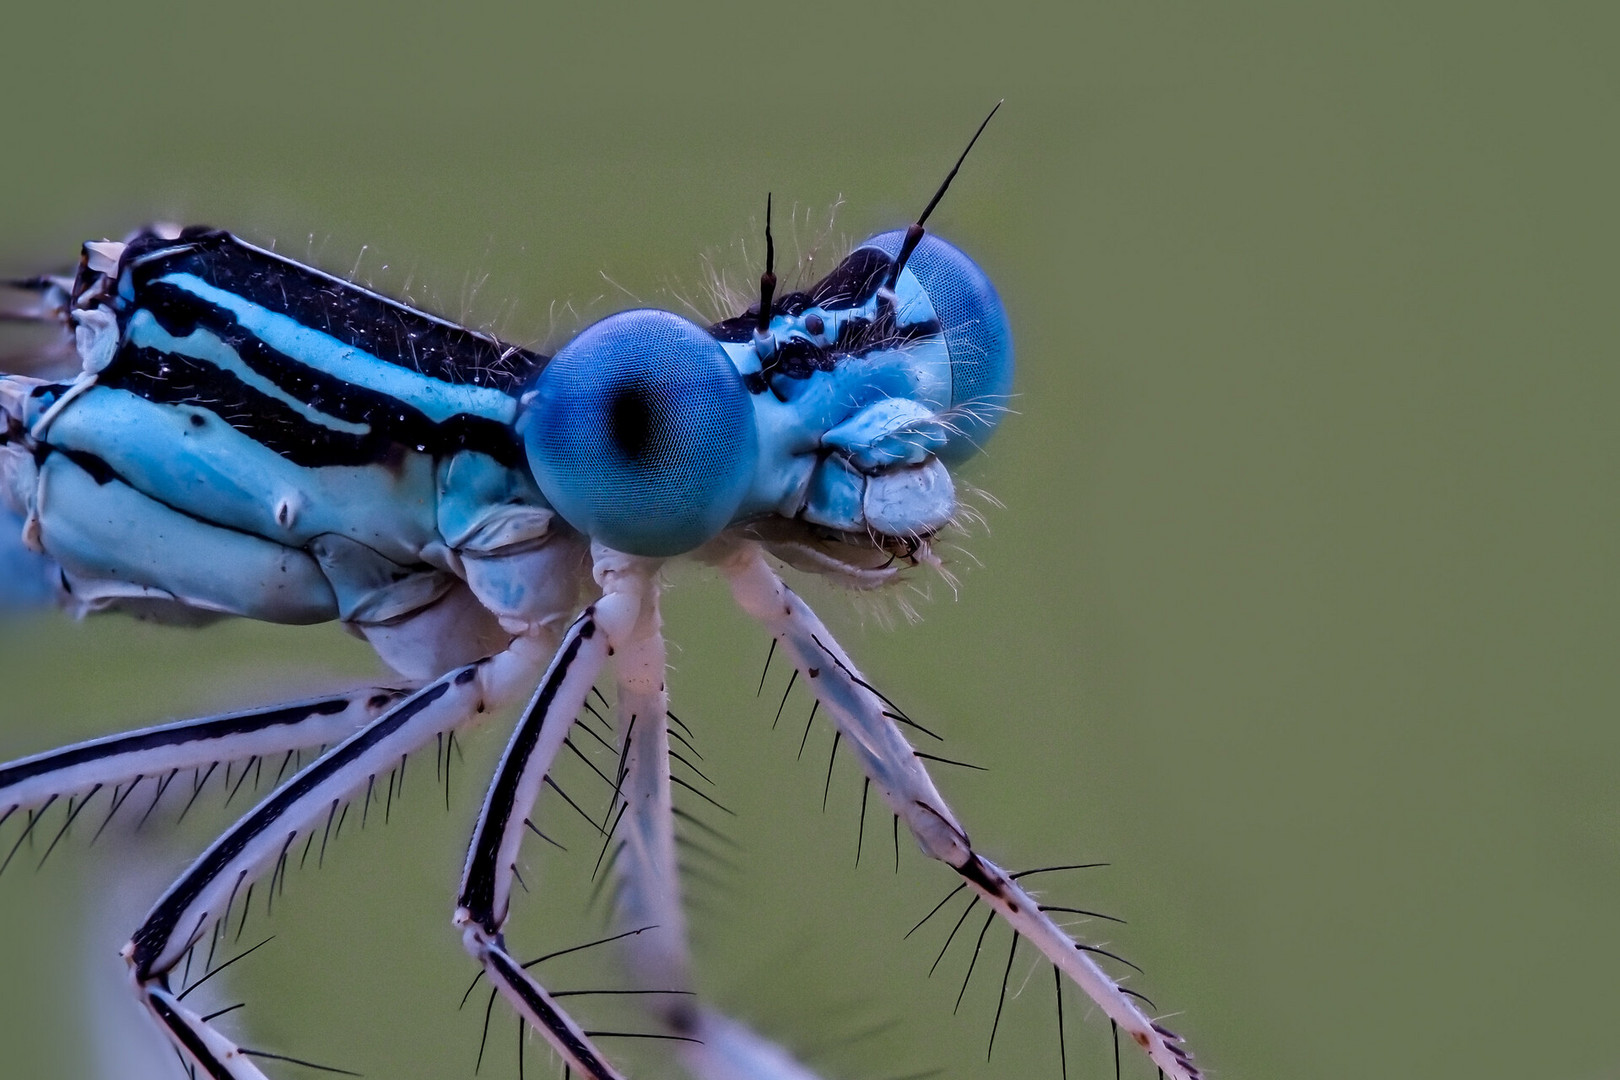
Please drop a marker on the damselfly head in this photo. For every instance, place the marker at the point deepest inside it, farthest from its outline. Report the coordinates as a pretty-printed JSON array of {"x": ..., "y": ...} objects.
[{"x": 828, "y": 416}]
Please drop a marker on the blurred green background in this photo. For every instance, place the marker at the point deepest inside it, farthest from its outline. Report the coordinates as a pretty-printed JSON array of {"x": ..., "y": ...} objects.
[{"x": 1300, "y": 612}]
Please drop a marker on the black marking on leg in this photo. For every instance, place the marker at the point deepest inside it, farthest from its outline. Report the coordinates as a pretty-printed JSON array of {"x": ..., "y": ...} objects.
[
  {"x": 186, "y": 1037},
  {"x": 478, "y": 893},
  {"x": 979, "y": 874},
  {"x": 183, "y": 733},
  {"x": 513, "y": 977}
]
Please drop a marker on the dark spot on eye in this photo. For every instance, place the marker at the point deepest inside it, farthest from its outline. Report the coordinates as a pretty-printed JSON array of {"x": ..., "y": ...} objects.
[
  {"x": 197, "y": 420},
  {"x": 633, "y": 422},
  {"x": 814, "y": 324}
]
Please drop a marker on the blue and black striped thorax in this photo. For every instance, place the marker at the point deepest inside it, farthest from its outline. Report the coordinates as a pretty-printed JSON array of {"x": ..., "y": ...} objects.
[
  {"x": 235, "y": 387},
  {"x": 315, "y": 368}
]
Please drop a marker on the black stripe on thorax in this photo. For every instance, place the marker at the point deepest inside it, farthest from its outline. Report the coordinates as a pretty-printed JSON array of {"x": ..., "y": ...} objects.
[
  {"x": 171, "y": 378},
  {"x": 387, "y": 329}
]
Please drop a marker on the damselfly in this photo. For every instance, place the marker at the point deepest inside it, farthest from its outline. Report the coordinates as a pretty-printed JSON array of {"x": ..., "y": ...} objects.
[{"x": 248, "y": 436}]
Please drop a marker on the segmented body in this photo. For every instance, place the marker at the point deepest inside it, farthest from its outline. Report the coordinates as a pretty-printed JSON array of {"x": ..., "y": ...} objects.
[{"x": 248, "y": 436}]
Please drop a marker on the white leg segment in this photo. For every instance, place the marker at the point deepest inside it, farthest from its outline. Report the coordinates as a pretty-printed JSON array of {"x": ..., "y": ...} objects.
[
  {"x": 715, "y": 1047},
  {"x": 867, "y": 722},
  {"x": 261, "y": 840},
  {"x": 486, "y": 887}
]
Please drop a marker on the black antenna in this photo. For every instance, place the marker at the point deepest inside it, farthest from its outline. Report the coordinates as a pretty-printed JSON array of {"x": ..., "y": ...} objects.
[
  {"x": 914, "y": 232},
  {"x": 767, "y": 280}
]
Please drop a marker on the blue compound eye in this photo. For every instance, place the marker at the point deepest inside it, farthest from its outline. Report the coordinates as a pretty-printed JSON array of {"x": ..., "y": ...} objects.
[
  {"x": 641, "y": 434},
  {"x": 976, "y": 331}
]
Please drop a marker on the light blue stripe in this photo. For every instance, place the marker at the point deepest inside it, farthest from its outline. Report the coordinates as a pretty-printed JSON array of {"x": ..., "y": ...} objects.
[
  {"x": 437, "y": 400},
  {"x": 145, "y": 332}
]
